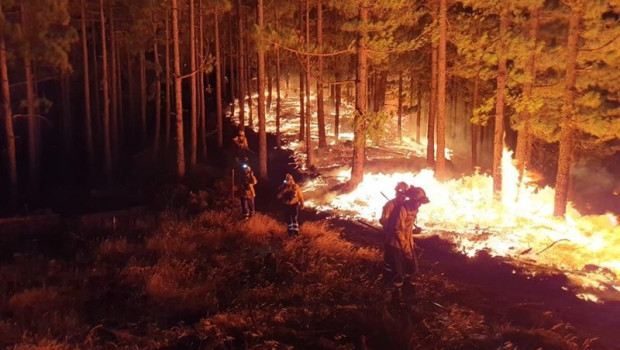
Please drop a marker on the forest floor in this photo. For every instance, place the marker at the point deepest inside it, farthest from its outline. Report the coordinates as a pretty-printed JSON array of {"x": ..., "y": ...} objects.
[{"x": 185, "y": 278}]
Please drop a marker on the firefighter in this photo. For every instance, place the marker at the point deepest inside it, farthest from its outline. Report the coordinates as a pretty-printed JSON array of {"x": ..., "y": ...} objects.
[
  {"x": 388, "y": 259},
  {"x": 246, "y": 192},
  {"x": 241, "y": 146},
  {"x": 292, "y": 199},
  {"x": 399, "y": 240}
]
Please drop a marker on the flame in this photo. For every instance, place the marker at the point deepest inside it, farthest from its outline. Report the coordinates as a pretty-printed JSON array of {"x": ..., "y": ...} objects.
[{"x": 520, "y": 226}]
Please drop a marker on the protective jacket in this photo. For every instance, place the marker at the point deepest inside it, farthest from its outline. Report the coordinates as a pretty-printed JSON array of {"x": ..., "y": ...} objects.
[
  {"x": 290, "y": 194},
  {"x": 399, "y": 225},
  {"x": 247, "y": 186},
  {"x": 388, "y": 208}
]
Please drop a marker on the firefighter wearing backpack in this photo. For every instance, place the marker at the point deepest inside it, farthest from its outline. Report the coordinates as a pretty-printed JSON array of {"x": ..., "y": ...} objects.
[
  {"x": 399, "y": 246},
  {"x": 291, "y": 197}
]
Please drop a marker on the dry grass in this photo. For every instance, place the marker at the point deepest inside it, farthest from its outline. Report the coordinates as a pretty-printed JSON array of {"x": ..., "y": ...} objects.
[{"x": 211, "y": 281}]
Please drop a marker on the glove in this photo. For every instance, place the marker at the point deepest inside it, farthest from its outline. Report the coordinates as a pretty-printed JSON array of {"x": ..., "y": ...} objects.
[{"x": 416, "y": 230}]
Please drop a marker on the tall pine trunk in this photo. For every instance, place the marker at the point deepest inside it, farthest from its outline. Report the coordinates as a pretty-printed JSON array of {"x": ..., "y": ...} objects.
[
  {"x": 241, "y": 65},
  {"x": 524, "y": 137},
  {"x": 262, "y": 123},
  {"x": 302, "y": 104},
  {"x": 309, "y": 157},
  {"x": 400, "y": 105},
  {"x": 96, "y": 100},
  {"x": 278, "y": 97},
  {"x": 143, "y": 94},
  {"x": 218, "y": 83},
  {"x": 107, "y": 147},
  {"x": 320, "y": 110},
  {"x": 157, "y": 134},
  {"x": 114, "y": 96},
  {"x": 498, "y": 140},
  {"x": 568, "y": 133},
  {"x": 475, "y": 129},
  {"x": 193, "y": 150},
  {"x": 432, "y": 105},
  {"x": 168, "y": 86},
  {"x": 361, "y": 102},
  {"x": 178, "y": 93},
  {"x": 8, "y": 120},
  {"x": 202, "y": 101},
  {"x": 65, "y": 87},
  {"x": 418, "y": 121},
  {"x": 440, "y": 167},
  {"x": 338, "y": 98}
]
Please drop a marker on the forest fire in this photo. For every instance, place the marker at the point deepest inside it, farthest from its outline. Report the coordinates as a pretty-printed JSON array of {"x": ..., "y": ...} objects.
[{"x": 585, "y": 248}]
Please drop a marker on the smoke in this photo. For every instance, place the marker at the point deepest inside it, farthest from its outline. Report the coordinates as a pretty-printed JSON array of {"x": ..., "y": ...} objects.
[{"x": 595, "y": 189}]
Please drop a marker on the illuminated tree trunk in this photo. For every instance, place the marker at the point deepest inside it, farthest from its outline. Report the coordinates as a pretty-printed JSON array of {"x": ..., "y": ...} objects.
[
  {"x": 269, "y": 82},
  {"x": 338, "y": 97},
  {"x": 524, "y": 138},
  {"x": 278, "y": 97},
  {"x": 309, "y": 157},
  {"x": 430, "y": 134},
  {"x": 96, "y": 100},
  {"x": 498, "y": 140},
  {"x": 418, "y": 121},
  {"x": 568, "y": 133},
  {"x": 440, "y": 167},
  {"x": 320, "y": 108},
  {"x": 8, "y": 120},
  {"x": 380, "y": 90},
  {"x": 400, "y": 105},
  {"x": 262, "y": 123},
  {"x": 474, "y": 127},
  {"x": 248, "y": 76},
  {"x": 178, "y": 90},
  {"x": 302, "y": 110},
  {"x": 361, "y": 102},
  {"x": 218, "y": 83},
  {"x": 241, "y": 66},
  {"x": 193, "y": 151},
  {"x": 107, "y": 147}
]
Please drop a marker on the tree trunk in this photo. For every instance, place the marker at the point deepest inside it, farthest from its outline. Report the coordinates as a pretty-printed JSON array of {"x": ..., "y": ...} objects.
[
  {"x": 400, "y": 105},
  {"x": 568, "y": 133},
  {"x": 269, "y": 82},
  {"x": 232, "y": 82},
  {"x": 432, "y": 105},
  {"x": 193, "y": 104},
  {"x": 498, "y": 140},
  {"x": 302, "y": 110},
  {"x": 278, "y": 97},
  {"x": 320, "y": 110},
  {"x": 65, "y": 87},
  {"x": 178, "y": 90},
  {"x": 202, "y": 108},
  {"x": 338, "y": 94},
  {"x": 8, "y": 120},
  {"x": 361, "y": 102},
  {"x": 440, "y": 168},
  {"x": 248, "y": 76},
  {"x": 262, "y": 123},
  {"x": 309, "y": 158},
  {"x": 474, "y": 127},
  {"x": 418, "y": 122},
  {"x": 143, "y": 92},
  {"x": 97, "y": 104},
  {"x": 524, "y": 137},
  {"x": 380, "y": 90},
  {"x": 112, "y": 76},
  {"x": 218, "y": 83},
  {"x": 168, "y": 123},
  {"x": 156, "y": 137},
  {"x": 107, "y": 147},
  {"x": 241, "y": 66}
]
